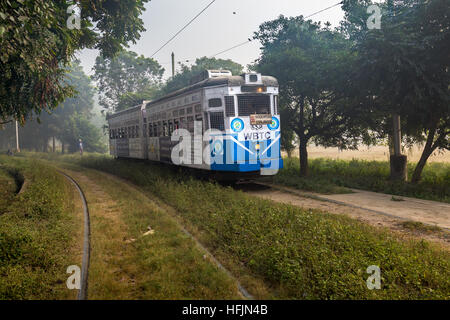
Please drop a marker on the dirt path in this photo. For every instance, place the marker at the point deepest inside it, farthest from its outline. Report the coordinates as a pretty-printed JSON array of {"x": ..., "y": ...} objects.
[{"x": 372, "y": 208}]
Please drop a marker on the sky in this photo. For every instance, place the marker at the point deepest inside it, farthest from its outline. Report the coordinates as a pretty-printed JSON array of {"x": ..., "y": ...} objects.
[{"x": 223, "y": 25}]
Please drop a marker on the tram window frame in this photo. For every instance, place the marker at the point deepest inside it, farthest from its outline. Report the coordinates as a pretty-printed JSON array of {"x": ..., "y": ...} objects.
[
  {"x": 189, "y": 110},
  {"x": 144, "y": 131},
  {"x": 275, "y": 104},
  {"x": 138, "y": 134}
]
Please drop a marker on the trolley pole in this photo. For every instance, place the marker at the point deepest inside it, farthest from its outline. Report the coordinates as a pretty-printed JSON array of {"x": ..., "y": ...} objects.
[
  {"x": 173, "y": 64},
  {"x": 17, "y": 137}
]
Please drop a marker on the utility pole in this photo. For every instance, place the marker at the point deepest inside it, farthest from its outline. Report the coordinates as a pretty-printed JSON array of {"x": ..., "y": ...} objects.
[
  {"x": 173, "y": 64},
  {"x": 17, "y": 137}
]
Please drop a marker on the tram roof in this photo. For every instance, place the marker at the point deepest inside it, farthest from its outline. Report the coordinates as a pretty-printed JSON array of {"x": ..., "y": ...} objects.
[{"x": 230, "y": 81}]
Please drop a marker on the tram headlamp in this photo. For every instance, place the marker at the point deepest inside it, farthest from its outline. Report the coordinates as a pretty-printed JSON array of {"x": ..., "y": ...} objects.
[{"x": 257, "y": 147}]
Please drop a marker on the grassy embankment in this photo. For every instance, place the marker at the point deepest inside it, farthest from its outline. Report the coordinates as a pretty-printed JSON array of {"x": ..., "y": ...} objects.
[
  {"x": 37, "y": 233},
  {"x": 334, "y": 176},
  {"x": 299, "y": 254}
]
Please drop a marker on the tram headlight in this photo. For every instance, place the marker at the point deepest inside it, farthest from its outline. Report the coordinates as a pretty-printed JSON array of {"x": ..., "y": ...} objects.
[{"x": 257, "y": 147}]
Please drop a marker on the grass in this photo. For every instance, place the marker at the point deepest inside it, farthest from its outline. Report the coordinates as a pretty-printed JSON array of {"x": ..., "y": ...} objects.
[
  {"x": 334, "y": 176},
  {"x": 125, "y": 264},
  {"x": 8, "y": 188},
  {"x": 37, "y": 235},
  {"x": 299, "y": 254}
]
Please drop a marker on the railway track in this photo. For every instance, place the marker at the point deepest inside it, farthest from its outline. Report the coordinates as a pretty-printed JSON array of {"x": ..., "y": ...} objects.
[{"x": 83, "y": 292}]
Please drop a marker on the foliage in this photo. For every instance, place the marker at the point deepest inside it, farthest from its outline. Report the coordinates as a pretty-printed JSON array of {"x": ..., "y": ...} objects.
[
  {"x": 311, "y": 63},
  {"x": 37, "y": 45},
  {"x": 68, "y": 123},
  {"x": 404, "y": 67},
  {"x": 286, "y": 245},
  {"x": 333, "y": 176},
  {"x": 184, "y": 78},
  {"x": 124, "y": 75}
]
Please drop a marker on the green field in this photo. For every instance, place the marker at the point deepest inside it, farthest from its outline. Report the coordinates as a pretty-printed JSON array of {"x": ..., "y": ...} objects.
[
  {"x": 298, "y": 254},
  {"x": 336, "y": 176}
]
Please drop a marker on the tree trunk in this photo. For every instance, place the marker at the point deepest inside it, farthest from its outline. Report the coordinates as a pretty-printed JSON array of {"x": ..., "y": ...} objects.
[
  {"x": 427, "y": 151},
  {"x": 289, "y": 153},
  {"x": 54, "y": 149},
  {"x": 303, "y": 157},
  {"x": 62, "y": 147}
]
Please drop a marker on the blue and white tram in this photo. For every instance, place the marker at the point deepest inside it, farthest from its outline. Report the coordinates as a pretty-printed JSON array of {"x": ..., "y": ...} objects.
[{"x": 229, "y": 124}]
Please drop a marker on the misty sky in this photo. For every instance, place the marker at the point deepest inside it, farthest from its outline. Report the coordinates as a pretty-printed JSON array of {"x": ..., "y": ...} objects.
[{"x": 217, "y": 29}]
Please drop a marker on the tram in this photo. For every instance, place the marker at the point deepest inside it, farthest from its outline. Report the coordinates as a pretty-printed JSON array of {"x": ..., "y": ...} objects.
[{"x": 220, "y": 123}]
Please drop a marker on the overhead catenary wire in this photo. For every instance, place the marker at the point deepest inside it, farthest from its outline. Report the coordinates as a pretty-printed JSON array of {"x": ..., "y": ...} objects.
[
  {"x": 181, "y": 30},
  {"x": 249, "y": 39}
]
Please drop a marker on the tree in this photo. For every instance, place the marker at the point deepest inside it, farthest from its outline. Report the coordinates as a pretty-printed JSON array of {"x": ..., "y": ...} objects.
[
  {"x": 37, "y": 45},
  {"x": 312, "y": 64},
  {"x": 67, "y": 123},
  {"x": 183, "y": 78},
  {"x": 124, "y": 75},
  {"x": 405, "y": 66}
]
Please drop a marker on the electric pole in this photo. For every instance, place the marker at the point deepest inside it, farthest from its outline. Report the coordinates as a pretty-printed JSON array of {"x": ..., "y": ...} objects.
[
  {"x": 17, "y": 137},
  {"x": 173, "y": 64}
]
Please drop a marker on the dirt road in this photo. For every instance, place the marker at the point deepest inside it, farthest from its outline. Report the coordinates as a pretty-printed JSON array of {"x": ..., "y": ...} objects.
[{"x": 373, "y": 208}]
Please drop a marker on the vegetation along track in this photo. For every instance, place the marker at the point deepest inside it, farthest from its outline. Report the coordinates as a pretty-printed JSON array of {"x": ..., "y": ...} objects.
[
  {"x": 82, "y": 294},
  {"x": 365, "y": 213}
]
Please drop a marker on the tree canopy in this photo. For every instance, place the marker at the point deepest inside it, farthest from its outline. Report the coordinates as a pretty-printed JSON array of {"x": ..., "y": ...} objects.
[
  {"x": 312, "y": 63},
  {"x": 126, "y": 79},
  {"x": 404, "y": 67},
  {"x": 37, "y": 45}
]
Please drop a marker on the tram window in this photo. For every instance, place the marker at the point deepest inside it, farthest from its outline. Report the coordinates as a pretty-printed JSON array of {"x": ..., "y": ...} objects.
[
  {"x": 190, "y": 124},
  {"x": 149, "y": 132},
  {"x": 253, "y": 104},
  {"x": 155, "y": 130},
  {"x": 170, "y": 127},
  {"x": 137, "y": 132},
  {"x": 175, "y": 113},
  {"x": 229, "y": 106},
  {"x": 181, "y": 112},
  {"x": 144, "y": 131},
  {"x": 217, "y": 121},
  {"x": 164, "y": 128},
  {"x": 214, "y": 103},
  {"x": 275, "y": 104},
  {"x": 198, "y": 108},
  {"x": 189, "y": 110}
]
